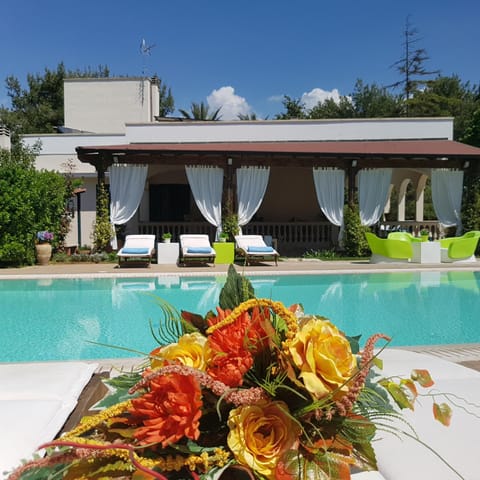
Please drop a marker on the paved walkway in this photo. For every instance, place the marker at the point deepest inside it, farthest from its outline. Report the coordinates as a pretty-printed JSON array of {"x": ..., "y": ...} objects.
[{"x": 284, "y": 266}]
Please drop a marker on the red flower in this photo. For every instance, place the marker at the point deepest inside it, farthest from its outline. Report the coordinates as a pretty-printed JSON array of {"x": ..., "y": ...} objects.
[
  {"x": 230, "y": 349},
  {"x": 169, "y": 411}
]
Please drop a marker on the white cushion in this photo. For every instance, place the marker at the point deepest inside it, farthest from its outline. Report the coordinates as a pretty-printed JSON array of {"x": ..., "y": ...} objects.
[
  {"x": 35, "y": 401},
  {"x": 405, "y": 458}
]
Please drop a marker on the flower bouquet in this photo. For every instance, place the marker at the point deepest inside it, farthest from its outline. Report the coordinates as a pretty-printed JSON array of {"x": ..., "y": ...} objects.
[
  {"x": 44, "y": 236},
  {"x": 254, "y": 390}
]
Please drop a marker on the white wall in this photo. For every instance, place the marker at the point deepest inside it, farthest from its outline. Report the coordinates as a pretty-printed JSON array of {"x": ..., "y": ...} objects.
[
  {"x": 105, "y": 105},
  {"x": 292, "y": 130},
  {"x": 57, "y": 149}
]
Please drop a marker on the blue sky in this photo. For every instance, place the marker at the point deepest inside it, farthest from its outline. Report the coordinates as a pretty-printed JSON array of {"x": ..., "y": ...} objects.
[{"x": 243, "y": 54}]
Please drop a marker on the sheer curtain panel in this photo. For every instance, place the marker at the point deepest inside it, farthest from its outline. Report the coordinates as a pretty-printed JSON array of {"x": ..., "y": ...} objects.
[
  {"x": 206, "y": 184},
  {"x": 373, "y": 188},
  {"x": 127, "y": 183},
  {"x": 251, "y": 186},
  {"x": 330, "y": 189},
  {"x": 447, "y": 188}
]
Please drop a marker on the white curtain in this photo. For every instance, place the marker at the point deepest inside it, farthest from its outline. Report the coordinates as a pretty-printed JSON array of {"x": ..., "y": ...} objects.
[
  {"x": 206, "y": 184},
  {"x": 373, "y": 188},
  {"x": 447, "y": 188},
  {"x": 127, "y": 183},
  {"x": 251, "y": 186},
  {"x": 330, "y": 188}
]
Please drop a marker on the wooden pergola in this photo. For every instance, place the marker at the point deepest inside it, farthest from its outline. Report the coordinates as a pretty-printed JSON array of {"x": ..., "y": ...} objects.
[{"x": 348, "y": 155}]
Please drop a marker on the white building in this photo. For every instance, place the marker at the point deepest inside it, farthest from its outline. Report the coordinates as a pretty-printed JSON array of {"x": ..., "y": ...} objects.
[{"x": 114, "y": 121}]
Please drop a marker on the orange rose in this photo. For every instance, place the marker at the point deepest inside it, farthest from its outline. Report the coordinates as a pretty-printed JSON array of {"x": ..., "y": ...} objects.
[
  {"x": 323, "y": 356},
  {"x": 169, "y": 411}
]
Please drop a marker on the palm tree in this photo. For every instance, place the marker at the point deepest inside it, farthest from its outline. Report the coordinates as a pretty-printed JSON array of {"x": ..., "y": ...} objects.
[
  {"x": 200, "y": 111},
  {"x": 247, "y": 116}
]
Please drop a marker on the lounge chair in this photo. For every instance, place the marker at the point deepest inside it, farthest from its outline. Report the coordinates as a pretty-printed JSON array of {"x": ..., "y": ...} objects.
[
  {"x": 403, "y": 236},
  {"x": 459, "y": 249},
  {"x": 195, "y": 249},
  {"x": 389, "y": 250},
  {"x": 254, "y": 249},
  {"x": 137, "y": 247}
]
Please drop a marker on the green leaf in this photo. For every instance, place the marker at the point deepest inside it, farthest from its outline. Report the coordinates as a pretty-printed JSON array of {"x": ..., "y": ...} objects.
[
  {"x": 237, "y": 289},
  {"x": 118, "y": 390},
  {"x": 398, "y": 393},
  {"x": 354, "y": 343}
]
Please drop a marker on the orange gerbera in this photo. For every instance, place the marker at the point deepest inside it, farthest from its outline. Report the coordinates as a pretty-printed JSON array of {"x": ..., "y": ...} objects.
[
  {"x": 170, "y": 410},
  {"x": 230, "y": 349}
]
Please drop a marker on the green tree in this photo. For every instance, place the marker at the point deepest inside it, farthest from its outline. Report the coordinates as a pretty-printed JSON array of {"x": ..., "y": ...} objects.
[
  {"x": 39, "y": 107},
  {"x": 30, "y": 201},
  {"x": 167, "y": 102},
  {"x": 447, "y": 97},
  {"x": 372, "y": 101},
  {"x": 329, "y": 108},
  {"x": 201, "y": 111},
  {"x": 294, "y": 108}
]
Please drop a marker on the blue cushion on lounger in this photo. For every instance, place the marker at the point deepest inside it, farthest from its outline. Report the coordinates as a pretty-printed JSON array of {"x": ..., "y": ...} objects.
[
  {"x": 199, "y": 250},
  {"x": 260, "y": 249},
  {"x": 135, "y": 251}
]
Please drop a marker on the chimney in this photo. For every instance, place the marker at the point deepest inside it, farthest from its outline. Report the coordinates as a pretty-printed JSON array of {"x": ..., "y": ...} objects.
[{"x": 4, "y": 138}]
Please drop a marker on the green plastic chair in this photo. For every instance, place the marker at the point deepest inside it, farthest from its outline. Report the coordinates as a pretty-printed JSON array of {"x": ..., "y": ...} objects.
[
  {"x": 403, "y": 236},
  {"x": 389, "y": 249},
  {"x": 459, "y": 249}
]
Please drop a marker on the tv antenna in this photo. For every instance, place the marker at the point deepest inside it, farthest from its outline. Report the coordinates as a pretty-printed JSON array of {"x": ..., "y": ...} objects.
[{"x": 145, "y": 51}]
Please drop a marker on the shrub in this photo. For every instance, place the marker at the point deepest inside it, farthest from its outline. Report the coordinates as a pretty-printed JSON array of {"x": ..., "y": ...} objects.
[
  {"x": 354, "y": 240},
  {"x": 30, "y": 201},
  {"x": 102, "y": 228}
]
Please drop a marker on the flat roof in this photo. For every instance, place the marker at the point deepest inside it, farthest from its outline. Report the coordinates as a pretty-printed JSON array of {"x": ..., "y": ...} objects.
[
  {"x": 340, "y": 154},
  {"x": 394, "y": 148}
]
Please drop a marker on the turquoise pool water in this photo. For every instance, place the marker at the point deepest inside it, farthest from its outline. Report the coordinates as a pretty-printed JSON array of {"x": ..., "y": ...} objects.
[{"x": 56, "y": 319}]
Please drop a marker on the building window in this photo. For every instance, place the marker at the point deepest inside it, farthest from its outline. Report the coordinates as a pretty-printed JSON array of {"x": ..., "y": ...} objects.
[{"x": 169, "y": 202}]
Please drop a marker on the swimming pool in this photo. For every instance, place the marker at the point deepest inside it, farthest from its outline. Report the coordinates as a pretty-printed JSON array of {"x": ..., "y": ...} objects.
[{"x": 55, "y": 319}]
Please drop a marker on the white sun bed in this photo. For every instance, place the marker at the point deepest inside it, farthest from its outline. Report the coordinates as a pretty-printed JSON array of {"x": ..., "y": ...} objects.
[
  {"x": 35, "y": 401},
  {"x": 196, "y": 248},
  {"x": 137, "y": 247},
  {"x": 402, "y": 458},
  {"x": 254, "y": 249}
]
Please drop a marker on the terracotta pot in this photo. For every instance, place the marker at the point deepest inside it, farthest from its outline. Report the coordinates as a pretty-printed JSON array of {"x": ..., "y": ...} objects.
[{"x": 44, "y": 253}]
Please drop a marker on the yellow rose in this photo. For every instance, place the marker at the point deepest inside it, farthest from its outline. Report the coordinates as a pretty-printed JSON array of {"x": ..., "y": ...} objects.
[
  {"x": 324, "y": 357},
  {"x": 260, "y": 434},
  {"x": 189, "y": 350}
]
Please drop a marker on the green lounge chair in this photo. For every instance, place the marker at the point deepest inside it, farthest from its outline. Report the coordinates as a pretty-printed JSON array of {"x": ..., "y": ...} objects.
[
  {"x": 388, "y": 250},
  {"x": 403, "y": 236},
  {"x": 459, "y": 249}
]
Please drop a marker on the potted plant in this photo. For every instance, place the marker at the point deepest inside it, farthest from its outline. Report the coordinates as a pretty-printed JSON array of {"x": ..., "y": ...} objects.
[
  {"x": 424, "y": 234},
  {"x": 223, "y": 237},
  {"x": 167, "y": 237},
  {"x": 230, "y": 226},
  {"x": 43, "y": 247}
]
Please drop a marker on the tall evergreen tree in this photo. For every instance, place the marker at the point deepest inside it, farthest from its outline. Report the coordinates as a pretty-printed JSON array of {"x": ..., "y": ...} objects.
[{"x": 412, "y": 65}]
